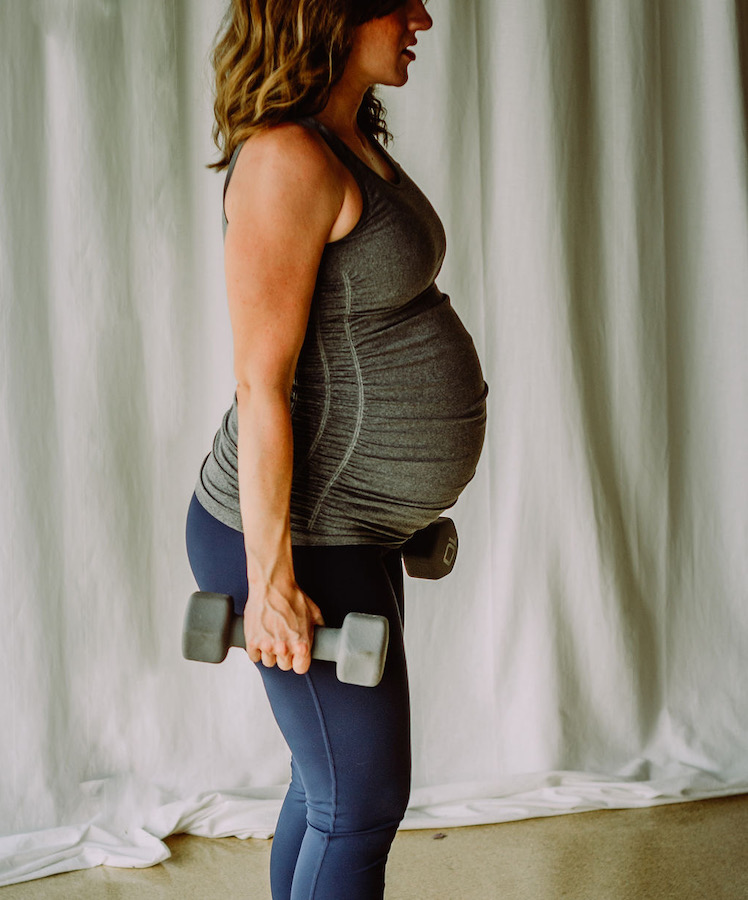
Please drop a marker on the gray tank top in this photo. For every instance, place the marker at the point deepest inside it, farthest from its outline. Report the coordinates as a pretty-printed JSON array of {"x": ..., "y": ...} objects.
[{"x": 389, "y": 401}]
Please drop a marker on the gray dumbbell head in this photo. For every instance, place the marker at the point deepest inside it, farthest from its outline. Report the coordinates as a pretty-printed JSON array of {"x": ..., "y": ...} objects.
[
  {"x": 431, "y": 552},
  {"x": 362, "y": 649},
  {"x": 207, "y": 626}
]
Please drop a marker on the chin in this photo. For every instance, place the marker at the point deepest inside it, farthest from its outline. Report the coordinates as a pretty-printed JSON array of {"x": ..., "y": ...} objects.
[
  {"x": 397, "y": 78},
  {"x": 400, "y": 81}
]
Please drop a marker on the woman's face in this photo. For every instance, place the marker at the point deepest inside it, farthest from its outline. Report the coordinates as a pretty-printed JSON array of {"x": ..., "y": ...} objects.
[{"x": 383, "y": 47}]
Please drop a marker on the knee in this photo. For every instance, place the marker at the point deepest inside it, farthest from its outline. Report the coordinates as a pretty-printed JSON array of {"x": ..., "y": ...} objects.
[
  {"x": 385, "y": 804},
  {"x": 391, "y": 802},
  {"x": 372, "y": 804}
]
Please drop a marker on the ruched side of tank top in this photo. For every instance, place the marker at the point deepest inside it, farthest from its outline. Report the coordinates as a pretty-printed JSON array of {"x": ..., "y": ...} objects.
[{"x": 389, "y": 400}]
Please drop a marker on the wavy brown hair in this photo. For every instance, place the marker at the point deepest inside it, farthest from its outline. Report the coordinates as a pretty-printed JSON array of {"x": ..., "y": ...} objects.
[{"x": 277, "y": 60}]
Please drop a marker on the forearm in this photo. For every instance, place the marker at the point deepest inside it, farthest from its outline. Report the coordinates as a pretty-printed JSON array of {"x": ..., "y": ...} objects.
[{"x": 265, "y": 461}]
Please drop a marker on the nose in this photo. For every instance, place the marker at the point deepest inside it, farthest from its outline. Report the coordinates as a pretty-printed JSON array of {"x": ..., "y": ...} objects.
[{"x": 420, "y": 20}]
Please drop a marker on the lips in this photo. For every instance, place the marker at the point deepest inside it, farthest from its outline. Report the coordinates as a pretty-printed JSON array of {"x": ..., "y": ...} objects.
[{"x": 409, "y": 54}]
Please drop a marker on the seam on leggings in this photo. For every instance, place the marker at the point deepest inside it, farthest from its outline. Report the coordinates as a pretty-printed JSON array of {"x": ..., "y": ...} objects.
[
  {"x": 318, "y": 869},
  {"x": 360, "y": 412},
  {"x": 333, "y": 779}
]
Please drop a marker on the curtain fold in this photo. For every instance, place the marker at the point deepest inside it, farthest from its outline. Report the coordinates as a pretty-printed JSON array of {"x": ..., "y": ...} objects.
[{"x": 588, "y": 158}]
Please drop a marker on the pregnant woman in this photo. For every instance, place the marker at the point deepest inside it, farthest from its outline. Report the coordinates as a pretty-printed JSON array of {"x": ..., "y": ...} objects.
[{"x": 359, "y": 411}]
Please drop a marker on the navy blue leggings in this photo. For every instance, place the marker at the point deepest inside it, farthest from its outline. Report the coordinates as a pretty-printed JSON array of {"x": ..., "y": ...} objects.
[{"x": 350, "y": 745}]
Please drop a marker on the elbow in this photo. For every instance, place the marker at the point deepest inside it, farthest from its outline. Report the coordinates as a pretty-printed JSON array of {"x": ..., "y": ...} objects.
[{"x": 260, "y": 392}]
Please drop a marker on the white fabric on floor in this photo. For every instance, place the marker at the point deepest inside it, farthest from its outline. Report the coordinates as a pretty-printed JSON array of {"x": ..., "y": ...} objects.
[{"x": 589, "y": 162}]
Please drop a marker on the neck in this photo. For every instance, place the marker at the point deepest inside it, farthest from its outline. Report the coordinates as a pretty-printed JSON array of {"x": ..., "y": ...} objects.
[{"x": 341, "y": 111}]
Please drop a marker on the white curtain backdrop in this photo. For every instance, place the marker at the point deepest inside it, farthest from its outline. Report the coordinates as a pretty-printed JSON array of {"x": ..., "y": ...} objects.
[{"x": 588, "y": 158}]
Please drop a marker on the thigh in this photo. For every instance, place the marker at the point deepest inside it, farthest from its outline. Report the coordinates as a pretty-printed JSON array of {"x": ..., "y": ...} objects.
[{"x": 351, "y": 743}]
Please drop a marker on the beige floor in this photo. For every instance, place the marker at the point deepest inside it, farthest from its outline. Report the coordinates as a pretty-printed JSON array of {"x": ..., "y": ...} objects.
[{"x": 682, "y": 851}]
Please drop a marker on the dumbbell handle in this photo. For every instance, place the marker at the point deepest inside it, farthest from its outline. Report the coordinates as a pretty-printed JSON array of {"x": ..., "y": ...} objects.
[{"x": 325, "y": 645}]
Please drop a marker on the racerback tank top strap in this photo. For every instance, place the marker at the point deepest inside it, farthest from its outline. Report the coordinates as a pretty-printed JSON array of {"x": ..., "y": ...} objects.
[
  {"x": 229, "y": 173},
  {"x": 352, "y": 161}
]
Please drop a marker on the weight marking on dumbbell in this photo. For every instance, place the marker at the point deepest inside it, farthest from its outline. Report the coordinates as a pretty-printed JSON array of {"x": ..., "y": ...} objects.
[{"x": 450, "y": 551}]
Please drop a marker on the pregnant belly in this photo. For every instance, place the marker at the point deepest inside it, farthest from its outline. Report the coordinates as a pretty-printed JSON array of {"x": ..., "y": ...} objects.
[
  {"x": 389, "y": 427},
  {"x": 425, "y": 404}
]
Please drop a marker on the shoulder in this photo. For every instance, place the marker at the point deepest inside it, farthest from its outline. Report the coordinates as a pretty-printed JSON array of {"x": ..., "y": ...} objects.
[
  {"x": 287, "y": 145},
  {"x": 287, "y": 160}
]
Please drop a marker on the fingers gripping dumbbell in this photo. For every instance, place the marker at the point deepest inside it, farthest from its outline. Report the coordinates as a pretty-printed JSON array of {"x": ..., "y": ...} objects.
[
  {"x": 359, "y": 648},
  {"x": 431, "y": 552}
]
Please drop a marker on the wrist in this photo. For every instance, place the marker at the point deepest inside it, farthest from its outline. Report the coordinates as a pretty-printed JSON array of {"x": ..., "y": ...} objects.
[
  {"x": 269, "y": 554},
  {"x": 277, "y": 575}
]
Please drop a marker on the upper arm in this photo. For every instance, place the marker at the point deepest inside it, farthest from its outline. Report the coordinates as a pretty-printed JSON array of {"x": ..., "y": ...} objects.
[{"x": 281, "y": 204}]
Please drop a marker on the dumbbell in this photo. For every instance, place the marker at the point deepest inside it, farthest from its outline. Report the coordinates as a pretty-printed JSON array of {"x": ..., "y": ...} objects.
[
  {"x": 431, "y": 552},
  {"x": 359, "y": 648}
]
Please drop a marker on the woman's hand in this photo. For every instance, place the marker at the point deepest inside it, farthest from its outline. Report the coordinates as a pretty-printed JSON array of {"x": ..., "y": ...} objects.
[{"x": 279, "y": 625}]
